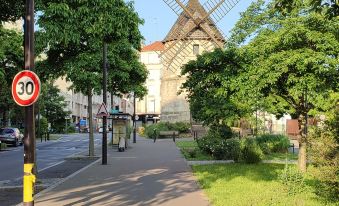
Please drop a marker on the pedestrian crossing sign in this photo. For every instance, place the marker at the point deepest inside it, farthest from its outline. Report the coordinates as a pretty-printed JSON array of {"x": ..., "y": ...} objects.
[{"x": 102, "y": 111}]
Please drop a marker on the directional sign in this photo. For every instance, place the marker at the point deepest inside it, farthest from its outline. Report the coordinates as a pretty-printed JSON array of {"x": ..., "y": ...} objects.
[
  {"x": 102, "y": 111},
  {"x": 26, "y": 88}
]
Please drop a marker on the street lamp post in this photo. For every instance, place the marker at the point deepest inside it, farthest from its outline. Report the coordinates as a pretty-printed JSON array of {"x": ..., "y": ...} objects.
[{"x": 29, "y": 135}]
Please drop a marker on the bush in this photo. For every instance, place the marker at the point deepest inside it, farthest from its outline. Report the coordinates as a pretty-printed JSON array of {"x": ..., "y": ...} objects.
[
  {"x": 154, "y": 129},
  {"x": 220, "y": 149},
  {"x": 324, "y": 154},
  {"x": 273, "y": 143},
  {"x": 182, "y": 127},
  {"x": 222, "y": 131},
  {"x": 250, "y": 151},
  {"x": 190, "y": 152},
  {"x": 166, "y": 126},
  {"x": 293, "y": 179}
]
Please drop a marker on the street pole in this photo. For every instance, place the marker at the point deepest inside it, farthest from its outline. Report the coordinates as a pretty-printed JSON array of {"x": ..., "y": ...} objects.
[
  {"x": 29, "y": 135},
  {"x": 104, "y": 84},
  {"x": 134, "y": 124}
]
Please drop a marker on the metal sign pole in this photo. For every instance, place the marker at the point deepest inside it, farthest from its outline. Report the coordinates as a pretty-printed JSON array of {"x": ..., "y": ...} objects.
[
  {"x": 104, "y": 129},
  {"x": 29, "y": 135}
]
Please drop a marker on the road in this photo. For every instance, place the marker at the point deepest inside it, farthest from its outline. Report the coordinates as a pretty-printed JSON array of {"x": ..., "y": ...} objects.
[{"x": 48, "y": 154}]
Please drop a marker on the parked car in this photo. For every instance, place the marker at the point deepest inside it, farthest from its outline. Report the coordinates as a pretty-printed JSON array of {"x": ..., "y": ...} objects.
[{"x": 11, "y": 135}]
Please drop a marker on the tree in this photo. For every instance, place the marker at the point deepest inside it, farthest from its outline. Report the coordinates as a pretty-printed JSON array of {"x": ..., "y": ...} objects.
[
  {"x": 11, "y": 10},
  {"x": 75, "y": 32},
  {"x": 211, "y": 87},
  {"x": 126, "y": 73},
  {"x": 330, "y": 8},
  {"x": 294, "y": 66},
  {"x": 52, "y": 106},
  {"x": 11, "y": 62}
]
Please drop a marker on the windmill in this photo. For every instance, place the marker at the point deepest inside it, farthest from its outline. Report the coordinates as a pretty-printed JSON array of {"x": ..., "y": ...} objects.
[
  {"x": 196, "y": 25},
  {"x": 195, "y": 29}
]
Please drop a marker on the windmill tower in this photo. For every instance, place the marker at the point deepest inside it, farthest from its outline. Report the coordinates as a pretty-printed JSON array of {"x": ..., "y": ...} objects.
[{"x": 194, "y": 32}]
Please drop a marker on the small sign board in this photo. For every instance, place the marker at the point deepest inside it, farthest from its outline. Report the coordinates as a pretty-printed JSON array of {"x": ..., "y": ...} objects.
[
  {"x": 102, "y": 111},
  {"x": 26, "y": 88},
  {"x": 114, "y": 111}
]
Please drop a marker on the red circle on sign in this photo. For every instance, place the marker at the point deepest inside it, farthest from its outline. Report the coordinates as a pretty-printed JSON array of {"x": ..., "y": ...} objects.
[{"x": 36, "y": 82}]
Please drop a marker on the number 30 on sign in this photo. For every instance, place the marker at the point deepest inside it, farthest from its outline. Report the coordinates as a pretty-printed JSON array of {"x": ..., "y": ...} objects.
[{"x": 26, "y": 88}]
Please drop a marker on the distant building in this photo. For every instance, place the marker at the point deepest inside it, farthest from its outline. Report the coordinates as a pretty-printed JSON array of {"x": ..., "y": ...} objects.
[{"x": 148, "y": 109}]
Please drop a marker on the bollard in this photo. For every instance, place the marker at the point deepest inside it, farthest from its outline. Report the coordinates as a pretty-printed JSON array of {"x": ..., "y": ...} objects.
[{"x": 155, "y": 135}]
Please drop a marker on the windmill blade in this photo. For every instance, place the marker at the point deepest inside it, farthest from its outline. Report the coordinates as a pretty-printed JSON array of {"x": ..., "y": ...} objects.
[
  {"x": 174, "y": 57},
  {"x": 208, "y": 29},
  {"x": 175, "y": 6},
  {"x": 219, "y": 10},
  {"x": 180, "y": 35}
]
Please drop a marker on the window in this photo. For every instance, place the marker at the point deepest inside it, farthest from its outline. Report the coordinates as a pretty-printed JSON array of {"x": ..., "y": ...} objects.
[{"x": 196, "y": 49}]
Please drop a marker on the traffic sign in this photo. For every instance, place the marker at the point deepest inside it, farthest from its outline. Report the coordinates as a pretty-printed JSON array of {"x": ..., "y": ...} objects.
[
  {"x": 102, "y": 111},
  {"x": 136, "y": 117},
  {"x": 26, "y": 88}
]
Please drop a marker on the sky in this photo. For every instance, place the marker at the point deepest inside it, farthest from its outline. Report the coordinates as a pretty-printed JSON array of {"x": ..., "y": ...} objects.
[{"x": 159, "y": 18}]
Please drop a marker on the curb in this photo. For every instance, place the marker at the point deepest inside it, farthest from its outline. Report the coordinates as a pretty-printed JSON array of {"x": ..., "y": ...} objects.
[
  {"x": 61, "y": 181},
  {"x": 209, "y": 162}
]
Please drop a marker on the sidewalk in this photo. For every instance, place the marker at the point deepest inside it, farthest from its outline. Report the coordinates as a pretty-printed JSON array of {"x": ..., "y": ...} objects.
[{"x": 146, "y": 174}]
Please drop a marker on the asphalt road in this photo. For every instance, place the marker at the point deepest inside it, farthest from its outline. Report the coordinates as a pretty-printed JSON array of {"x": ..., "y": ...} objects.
[{"x": 48, "y": 154}]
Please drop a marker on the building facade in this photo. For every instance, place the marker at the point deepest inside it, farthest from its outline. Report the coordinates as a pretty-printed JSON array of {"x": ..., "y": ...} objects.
[{"x": 148, "y": 108}]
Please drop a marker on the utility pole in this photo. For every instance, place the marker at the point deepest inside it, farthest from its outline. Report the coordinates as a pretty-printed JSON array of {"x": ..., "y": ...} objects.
[
  {"x": 29, "y": 134},
  {"x": 104, "y": 125},
  {"x": 134, "y": 122}
]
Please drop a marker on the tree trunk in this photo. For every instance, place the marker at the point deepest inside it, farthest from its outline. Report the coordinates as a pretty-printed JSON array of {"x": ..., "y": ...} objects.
[
  {"x": 302, "y": 139},
  {"x": 90, "y": 122}
]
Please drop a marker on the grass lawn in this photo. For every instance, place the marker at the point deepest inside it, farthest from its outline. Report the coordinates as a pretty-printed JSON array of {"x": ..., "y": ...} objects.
[
  {"x": 249, "y": 184},
  {"x": 281, "y": 156}
]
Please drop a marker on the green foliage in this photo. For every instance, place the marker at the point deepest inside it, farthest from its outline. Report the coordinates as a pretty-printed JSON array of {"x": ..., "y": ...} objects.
[
  {"x": 293, "y": 179},
  {"x": 211, "y": 86},
  {"x": 182, "y": 127},
  {"x": 328, "y": 8},
  {"x": 11, "y": 10},
  {"x": 52, "y": 106},
  {"x": 221, "y": 131},
  {"x": 153, "y": 130},
  {"x": 324, "y": 153},
  {"x": 43, "y": 126},
  {"x": 250, "y": 151},
  {"x": 11, "y": 61},
  {"x": 220, "y": 149},
  {"x": 273, "y": 143}
]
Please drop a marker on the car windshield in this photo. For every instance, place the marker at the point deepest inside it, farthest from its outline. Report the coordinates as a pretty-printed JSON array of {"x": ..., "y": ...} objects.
[{"x": 6, "y": 131}]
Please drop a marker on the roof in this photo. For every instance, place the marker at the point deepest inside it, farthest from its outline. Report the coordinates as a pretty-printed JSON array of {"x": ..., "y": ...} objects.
[
  {"x": 156, "y": 46},
  {"x": 184, "y": 23}
]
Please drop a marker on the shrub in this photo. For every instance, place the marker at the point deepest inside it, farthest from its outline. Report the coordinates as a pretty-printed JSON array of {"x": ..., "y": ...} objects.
[
  {"x": 190, "y": 152},
  {"x": 222, "y": 131},
  {"x": 166, "y": 126},
  {"x": 324, "y": 154},
  {"x": 141, "y": 131},
  {"x": 273, "y": 143},
  {"x": 182, "y": 127},
  {"x": 220, "y": 149},
  {"x": 293, "y": 179},
  {"x": 250, "y": 151}
]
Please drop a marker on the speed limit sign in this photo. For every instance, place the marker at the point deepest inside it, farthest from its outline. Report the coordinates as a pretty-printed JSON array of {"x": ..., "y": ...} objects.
[{"x": 26, "y": 88}]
